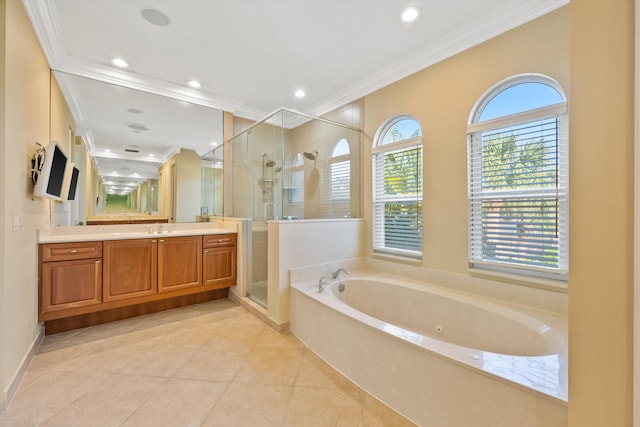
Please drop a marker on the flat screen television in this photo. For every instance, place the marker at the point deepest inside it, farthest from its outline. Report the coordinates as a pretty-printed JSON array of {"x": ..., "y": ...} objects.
[
  {"x": 71, "y": 182},
  {"x": 52, "y": 174}
]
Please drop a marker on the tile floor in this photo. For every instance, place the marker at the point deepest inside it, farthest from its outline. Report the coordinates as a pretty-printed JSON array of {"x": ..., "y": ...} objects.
[{"x": 212, "y": 364}]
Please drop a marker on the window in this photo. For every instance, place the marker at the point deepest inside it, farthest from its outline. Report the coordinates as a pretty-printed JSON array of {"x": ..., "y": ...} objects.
[
  {"x": 338, "y": 186},
  {"x": 397, "y": 188},
  {"x": 294, "y": 190},
  {"x": 518, "y": 178}
]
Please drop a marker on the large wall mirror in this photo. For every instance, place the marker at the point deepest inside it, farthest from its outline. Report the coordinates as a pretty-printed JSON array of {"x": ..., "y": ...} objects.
[{"x": 143, "y": 157}]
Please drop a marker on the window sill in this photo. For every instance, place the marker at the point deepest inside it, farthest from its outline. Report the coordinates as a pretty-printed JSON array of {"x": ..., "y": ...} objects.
[
  {"x": 398, "y": 258},
  {"x": 560, "y": 286}
]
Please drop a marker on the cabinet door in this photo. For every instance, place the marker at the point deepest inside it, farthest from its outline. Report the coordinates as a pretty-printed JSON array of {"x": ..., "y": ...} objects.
[
  {"x": 69, "y": 284},
  {"x": 130, "y": 268},
  {"x": 219, "y": 266},
  {"x": 179, "y": 263}
]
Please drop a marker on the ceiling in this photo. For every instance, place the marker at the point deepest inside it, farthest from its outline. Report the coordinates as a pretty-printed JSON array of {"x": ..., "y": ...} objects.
[{"x": 252, "y": 55}]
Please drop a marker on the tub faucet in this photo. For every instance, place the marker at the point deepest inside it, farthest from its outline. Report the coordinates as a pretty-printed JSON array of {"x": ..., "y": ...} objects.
[
  {"x": 335, "y": 274},
  {"x": 322, "y": 283}
]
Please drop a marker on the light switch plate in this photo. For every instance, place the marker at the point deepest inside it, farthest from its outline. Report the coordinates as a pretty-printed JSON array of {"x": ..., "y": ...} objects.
[{"x": 18, "y": 222}]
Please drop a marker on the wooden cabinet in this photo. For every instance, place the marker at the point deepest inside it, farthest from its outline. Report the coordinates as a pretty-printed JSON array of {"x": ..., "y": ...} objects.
[
  {"x": 179, "y": 263},
  {"x": 130, "y": 268},
  {"x": 70, "y": 275},
  {"x": 84, "y": 283},
  {"x": 219, "y": 260}
]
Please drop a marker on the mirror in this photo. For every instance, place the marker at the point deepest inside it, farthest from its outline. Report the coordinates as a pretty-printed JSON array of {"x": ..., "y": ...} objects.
[{"x": 149, "y": 158}]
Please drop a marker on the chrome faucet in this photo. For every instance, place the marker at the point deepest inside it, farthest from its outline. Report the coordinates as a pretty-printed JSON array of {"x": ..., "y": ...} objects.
[
  {"x": 159, "y": 229},
  {"x": 322, "y": 283},
  {"x": 335, "y": 274},
  {"x": 325, "y": 280}
]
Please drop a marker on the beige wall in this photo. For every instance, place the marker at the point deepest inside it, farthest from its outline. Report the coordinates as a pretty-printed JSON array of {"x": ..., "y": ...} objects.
[
  {"x": 25, "y": 109},
  {"x": 441, "y": 98},
  {"x": 601, "y": 216},
  {"x": 588, "y": 48}
]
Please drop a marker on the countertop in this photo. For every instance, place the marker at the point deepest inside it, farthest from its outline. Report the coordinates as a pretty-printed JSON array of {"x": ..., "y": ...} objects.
[{"x": 85, "y": 233}]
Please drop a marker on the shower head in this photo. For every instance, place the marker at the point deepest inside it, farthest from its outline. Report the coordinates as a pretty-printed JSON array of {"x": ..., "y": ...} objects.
[{"x": 311, "y": 155}]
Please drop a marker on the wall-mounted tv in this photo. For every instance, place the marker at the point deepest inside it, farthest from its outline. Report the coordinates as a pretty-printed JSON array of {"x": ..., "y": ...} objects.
[
  {"x": 74, "y": 173},
  {"x": 51, "y": 176},
  {"x": 71, "y": 183}
]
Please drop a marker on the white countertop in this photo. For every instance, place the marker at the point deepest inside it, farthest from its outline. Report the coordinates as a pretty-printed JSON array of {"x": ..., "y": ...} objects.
[{"x": 85, "y": 233}]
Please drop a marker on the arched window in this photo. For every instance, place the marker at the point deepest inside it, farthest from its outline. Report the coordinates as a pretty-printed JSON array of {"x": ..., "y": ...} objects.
[
  {"x": 397, "y": 188},
  {"x": 337, "y": 191},
  {"x": 518, "y": 178}
]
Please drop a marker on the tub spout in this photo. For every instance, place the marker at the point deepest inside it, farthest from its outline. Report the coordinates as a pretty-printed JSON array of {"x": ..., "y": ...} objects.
[
  {"x": 322, "y": 283},
  {"x": 335, "y": 274}
]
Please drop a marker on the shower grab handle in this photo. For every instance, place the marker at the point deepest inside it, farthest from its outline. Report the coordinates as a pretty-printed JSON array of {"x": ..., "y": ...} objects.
[{"x": 266, "y": 211}]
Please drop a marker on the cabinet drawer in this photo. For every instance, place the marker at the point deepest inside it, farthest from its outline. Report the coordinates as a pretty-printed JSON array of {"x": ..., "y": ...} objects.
[
  {"x": 213, "y": 240},
  {"x": 70, "y": 251}
]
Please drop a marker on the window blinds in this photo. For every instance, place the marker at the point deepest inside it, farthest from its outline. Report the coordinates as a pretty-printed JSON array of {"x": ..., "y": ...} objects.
[
  {"x": 397, "y": 198},
  {"x": 518, "y": 192}
]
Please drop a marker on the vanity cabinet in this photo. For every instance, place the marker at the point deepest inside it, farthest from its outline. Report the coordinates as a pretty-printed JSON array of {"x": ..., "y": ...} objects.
[
  {"x": 84, "y": 283},
  {"x": 131, "y": 268},
  {"x": 219, "y": 260},
  {"x": 70, "y": 275},
  {"x": 179, "y": 263}
]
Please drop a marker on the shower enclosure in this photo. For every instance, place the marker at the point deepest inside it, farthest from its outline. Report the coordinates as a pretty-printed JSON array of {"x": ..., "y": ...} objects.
[{"x": 292, "y": 166}]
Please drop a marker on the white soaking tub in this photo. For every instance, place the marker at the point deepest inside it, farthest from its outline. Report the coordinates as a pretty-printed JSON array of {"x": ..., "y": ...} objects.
[{"x": 439, "y": 357}]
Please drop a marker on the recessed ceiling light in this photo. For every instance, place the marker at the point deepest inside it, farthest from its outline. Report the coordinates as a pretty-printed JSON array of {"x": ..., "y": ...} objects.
[
  {"x": 194, "y": 84},
  {"x": 151, "y": 155},
  {"x": 214, "y": 143},
  {"x": 299, "y": 93},
  {"x": 106, "y": 150},
  {"x": 134, "y": 110},
  {"x": 410, "y": 14},
  {"x": 155, "y": 17},
  {"x": 119, "y": 62}
]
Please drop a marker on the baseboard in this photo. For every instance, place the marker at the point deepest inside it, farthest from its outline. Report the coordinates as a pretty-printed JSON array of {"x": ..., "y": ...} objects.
[
  {"x": 261, "y": 314},
  {"x": 17, "y": 379}
]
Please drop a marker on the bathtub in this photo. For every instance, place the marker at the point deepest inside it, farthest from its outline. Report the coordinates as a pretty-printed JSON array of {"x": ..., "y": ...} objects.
[{"x": 437, "y": 356}]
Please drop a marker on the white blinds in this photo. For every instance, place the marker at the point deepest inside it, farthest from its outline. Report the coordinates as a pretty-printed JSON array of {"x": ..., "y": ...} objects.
[
  {"x": 397, "y": 198},
  {"x": 337, "y": 191},
  {"x": 518, "y": 192}
]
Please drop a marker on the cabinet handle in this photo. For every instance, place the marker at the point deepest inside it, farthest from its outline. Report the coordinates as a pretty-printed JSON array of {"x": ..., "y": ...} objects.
[
  {"x": 161, "y": 241},
  {"x": 153, "y": 241},
  {"x": 220, "y": 240},
  {"x": 206, "y": 252},
  {"x": 73, "y": 251}
]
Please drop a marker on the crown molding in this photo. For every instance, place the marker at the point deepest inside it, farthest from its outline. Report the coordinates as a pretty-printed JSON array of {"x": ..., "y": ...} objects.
[
  {"x": 514, "y": 13},
  {"x": 485, "y": 27}
]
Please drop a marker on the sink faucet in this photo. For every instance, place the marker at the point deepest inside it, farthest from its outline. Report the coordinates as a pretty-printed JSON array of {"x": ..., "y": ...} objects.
[
  {"x": 335, "y": 274},
  {"x": 159, "y": 229}
]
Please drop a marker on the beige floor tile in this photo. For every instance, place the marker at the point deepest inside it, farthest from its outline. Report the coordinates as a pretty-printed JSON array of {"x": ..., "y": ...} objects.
[
  {"x": 270, "y": 366},
  {"x": 235, "y": 335},
  {"x": 109, "y": 403},
  {"x": 215, "y": 362},
  {"x": 315, "y": 372},
  {"x": 57, "y": 353},
  {"x": 109, "y": 356},
  {"x": 318, "y": 406},
  {"x": 192, "y": 333},
  {"x": 179, "y": 402},
  {"x": 163, "y": 360},
  {"x": 269, "y": 338},
  {"x": 250, "y": 405},
  {"x": 377, "y": 414},
  {"x": 36, "y": 404}
]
